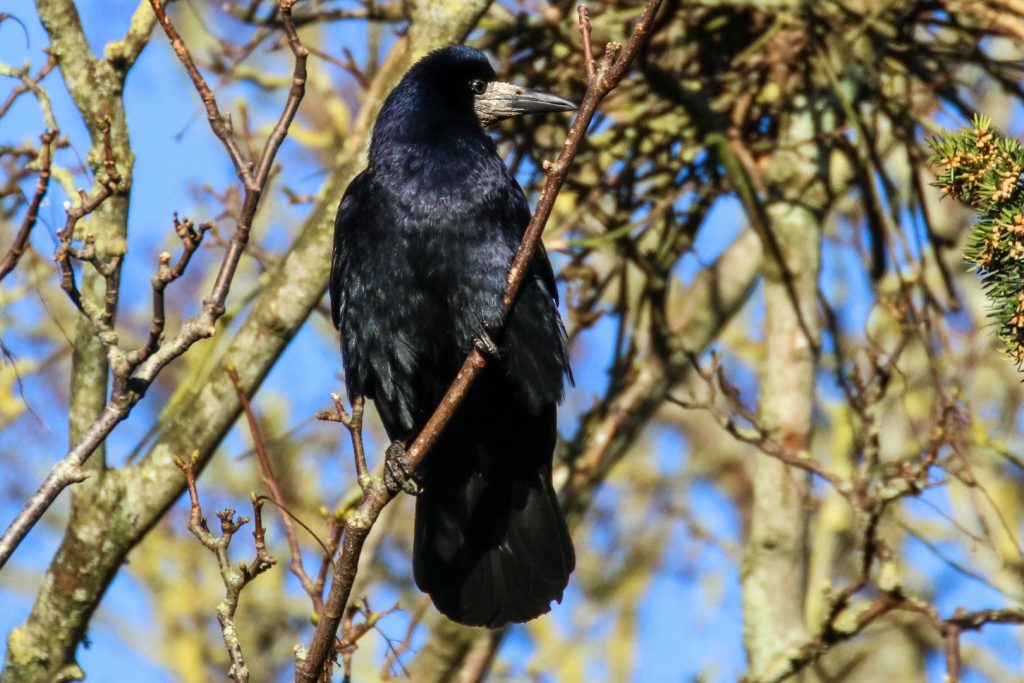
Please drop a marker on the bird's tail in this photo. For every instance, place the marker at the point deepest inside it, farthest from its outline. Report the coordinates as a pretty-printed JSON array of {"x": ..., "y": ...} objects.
[{"x": 491, "y": 543}]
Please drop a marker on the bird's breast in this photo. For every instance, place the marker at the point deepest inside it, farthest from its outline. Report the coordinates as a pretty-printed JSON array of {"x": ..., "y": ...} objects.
[{"x": 444, "y": 181}]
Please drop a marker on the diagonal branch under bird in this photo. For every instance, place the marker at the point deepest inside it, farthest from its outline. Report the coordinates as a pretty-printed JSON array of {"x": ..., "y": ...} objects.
[{"x": 523, "y": 273}]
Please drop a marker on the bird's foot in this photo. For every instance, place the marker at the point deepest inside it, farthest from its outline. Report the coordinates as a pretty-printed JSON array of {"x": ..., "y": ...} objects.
[
  {"x": 485, "y": 344},
  {"x": 398, "y": 475}
]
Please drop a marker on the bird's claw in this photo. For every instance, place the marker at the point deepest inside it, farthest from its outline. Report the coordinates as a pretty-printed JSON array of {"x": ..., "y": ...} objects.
[
  {"x": 485, "y": 344},
  {"x": 398, "y": 475}
]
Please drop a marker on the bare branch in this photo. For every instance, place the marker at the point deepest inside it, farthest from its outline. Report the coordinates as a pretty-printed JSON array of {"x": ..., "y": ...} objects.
[
  {"x": 17, "y": 248},
  {"x": 219, "y": 123},
  {"x": 165, "y": 275},
  {"x": 296, "y": 566},
  {"x": 132, "y": 374},
  {"x": 31, "y": 84},
  {"x": 75, "y": 213},
  {"x": 235, "y": 578},
  {"x": 354, "y": 424},
  {"x": 588, "y": 48},
  {"x": 384, "y": 12}
]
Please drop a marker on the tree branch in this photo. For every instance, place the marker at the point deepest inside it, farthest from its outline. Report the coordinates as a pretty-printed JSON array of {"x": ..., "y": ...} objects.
[
  {"x": 235, "y": 578},
  {"x": 133, "y": 374},
  {"x": 17, "y": 248},
  {"x": 315, "y": 592}
]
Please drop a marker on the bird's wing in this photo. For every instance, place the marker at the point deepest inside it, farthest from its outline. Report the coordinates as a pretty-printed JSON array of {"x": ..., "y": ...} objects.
[
  {"x": 541, "y": 262},
  {"x": 547, "y": 274},
  {"x": 349, "y": 215}
]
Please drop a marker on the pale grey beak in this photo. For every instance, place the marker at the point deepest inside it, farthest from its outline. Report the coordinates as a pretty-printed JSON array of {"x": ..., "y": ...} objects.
[{"x": 505, "y": 100}]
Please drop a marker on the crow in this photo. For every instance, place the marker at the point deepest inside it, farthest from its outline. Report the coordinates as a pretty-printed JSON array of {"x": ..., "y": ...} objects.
[{"x": 423, "y": 242}]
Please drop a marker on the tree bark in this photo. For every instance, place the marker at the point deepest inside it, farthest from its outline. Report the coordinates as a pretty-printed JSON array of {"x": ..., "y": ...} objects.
[
  {"x": 43, "y": 648},
  {"x": 773, "y": 572}
]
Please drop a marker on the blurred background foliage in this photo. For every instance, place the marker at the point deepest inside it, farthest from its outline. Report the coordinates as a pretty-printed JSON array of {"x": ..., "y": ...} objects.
[{"x": 783, "y": 363}]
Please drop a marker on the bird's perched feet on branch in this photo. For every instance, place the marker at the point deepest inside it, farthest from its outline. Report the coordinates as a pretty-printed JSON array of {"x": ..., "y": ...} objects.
[{"x": 398, "y": 475}]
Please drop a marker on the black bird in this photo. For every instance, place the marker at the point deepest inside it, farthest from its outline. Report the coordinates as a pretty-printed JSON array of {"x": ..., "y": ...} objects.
[{"x": 422, "y": 246}]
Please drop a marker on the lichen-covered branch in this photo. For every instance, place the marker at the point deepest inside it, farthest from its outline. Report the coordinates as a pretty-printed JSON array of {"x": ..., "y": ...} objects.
[
  {"x": 774, "y": 562},
  {"x": 96, "y": 86}
]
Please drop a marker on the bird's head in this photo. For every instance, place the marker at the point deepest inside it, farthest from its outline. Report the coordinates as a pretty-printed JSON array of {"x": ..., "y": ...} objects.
[{"x": 462, "y": 81}]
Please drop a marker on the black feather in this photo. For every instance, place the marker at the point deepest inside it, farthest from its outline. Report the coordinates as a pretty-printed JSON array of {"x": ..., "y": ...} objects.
[{"x": 423, "y": 242}]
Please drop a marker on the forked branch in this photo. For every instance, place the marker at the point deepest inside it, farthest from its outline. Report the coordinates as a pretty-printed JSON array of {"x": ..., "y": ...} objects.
[{"x": 235, "y": 577}]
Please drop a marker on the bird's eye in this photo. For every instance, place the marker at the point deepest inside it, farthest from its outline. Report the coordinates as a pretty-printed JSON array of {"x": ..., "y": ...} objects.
[{"x": 477, "y": 86}]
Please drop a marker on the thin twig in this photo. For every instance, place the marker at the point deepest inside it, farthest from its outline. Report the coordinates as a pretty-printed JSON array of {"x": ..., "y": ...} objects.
[
  {"x": 31, "y": 83},
  {"x": 352, "y": 631},
  {"x": 951, "y": 641},
  {"x": 270, "y": 480},
  {"x": 395, "y": 652},
  {"x": 75, "y": 213},
  {"x": 382, "y": 12},
  {"x": 165, "y": 275},
  {"x": 219, "y": 123},
  {"x": 17, "y": 248},
  {"x": 354, "y": 424},
  {"x": 588, "y": 48},
  {"x": 758, "y": 435}
]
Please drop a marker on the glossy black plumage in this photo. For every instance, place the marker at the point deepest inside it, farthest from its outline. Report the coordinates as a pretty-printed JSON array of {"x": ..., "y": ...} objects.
[{"x": 423, "y": 241}]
